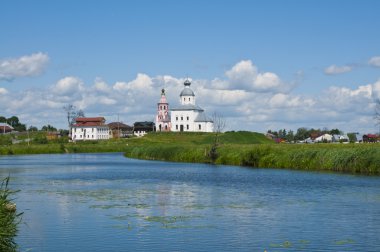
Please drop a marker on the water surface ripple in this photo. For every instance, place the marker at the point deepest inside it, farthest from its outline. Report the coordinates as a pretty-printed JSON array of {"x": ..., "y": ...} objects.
[{"x": 106, "y": 202}]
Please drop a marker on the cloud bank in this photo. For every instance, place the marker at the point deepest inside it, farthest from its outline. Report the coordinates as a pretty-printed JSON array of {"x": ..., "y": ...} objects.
[
  {"x": 29, "y": 65},
  {"x": 249, "y": 99}
]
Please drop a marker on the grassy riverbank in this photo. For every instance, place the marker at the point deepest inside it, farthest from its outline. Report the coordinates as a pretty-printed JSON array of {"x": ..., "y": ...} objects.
[
  {"x": 55, "y": 147},
  {"x": 252, "y": 149},
  {"x": 9, "y": 219},
  {"x": 234, "y": 148}
]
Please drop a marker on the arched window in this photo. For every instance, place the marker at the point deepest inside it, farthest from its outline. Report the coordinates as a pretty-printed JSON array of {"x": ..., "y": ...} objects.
[{"x": 199, "y": 126}]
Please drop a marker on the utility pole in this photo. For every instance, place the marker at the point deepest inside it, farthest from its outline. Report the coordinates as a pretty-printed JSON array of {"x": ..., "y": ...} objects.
[{"x": 118, "y": 126}]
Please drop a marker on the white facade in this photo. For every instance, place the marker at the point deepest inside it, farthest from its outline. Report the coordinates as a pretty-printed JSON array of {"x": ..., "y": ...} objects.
[
  {"x": 188, "y": 116},
  {"x": 90, "y": 133},
  {"x": 90, "y": 128}
]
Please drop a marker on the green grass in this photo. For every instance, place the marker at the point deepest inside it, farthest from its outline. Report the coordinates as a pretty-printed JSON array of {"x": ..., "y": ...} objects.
[
  {"x": 254, "y": 150},
  {"x": 234, "y": 148},
  {"x": 9, "y": 218}
]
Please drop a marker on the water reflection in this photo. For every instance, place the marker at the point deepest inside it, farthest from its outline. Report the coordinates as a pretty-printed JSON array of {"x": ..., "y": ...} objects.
[{"x": 105, "y": 202}]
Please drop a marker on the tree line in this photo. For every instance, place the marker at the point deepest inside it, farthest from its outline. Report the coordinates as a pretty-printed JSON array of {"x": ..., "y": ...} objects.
[{"x": 303, "y": 133}]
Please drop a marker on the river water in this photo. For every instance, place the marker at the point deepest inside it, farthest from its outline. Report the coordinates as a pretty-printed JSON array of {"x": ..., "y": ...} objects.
[{"x": 106, "y": 202}]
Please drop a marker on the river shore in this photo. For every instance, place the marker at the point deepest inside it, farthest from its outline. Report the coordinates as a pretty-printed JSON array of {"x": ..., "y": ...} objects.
[{"x": 233, "y": 148}]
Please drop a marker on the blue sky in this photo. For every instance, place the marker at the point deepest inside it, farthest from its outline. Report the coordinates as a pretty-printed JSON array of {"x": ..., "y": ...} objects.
[{"x": 262, "y": 64}]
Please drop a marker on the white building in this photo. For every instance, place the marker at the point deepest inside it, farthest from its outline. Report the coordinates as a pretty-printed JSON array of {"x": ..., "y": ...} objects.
[
  {"x": 188, "y": 116},
  {"x": 90, "y": 128}
]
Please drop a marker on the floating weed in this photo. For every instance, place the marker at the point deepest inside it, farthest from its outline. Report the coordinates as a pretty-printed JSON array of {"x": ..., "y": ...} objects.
[
  {"x": 139, "y": 206},
  {"x": 285, "y": 244},
  {"x": 187, "y": 227},
  {"x": 107, "y": 206},
  {"x": 237, "y": 206},
  {"x": 344, "y": 242},
  {"x": 304, "y": 241},
  {"x": 196, "y": 206},
  {"x": 165, "y": 220}
]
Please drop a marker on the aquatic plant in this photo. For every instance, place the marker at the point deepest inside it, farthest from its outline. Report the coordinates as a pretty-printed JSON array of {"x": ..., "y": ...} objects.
[{"x": 9, "y": 218}]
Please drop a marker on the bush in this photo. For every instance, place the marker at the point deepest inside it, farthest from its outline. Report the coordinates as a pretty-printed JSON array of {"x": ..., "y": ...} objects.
[{"x": 9, "y": 219}]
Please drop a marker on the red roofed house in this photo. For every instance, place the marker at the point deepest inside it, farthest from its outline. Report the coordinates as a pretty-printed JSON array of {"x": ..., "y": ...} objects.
[
  {"x": 5, "y": 128},
  {"x": 90, "y": 128}
]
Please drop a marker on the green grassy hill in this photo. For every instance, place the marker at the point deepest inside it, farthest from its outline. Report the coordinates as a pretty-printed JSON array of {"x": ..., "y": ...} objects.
[{"x": 185, "y": 138}]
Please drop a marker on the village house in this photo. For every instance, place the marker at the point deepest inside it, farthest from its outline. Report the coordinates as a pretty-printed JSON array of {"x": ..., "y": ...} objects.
[
  {"x": 120, "y": 130},
  {"x": 90, "y": 128},
  {"x": 5, "y": 128},
  {"x": 188, "y": 116},
  {"x": 142, "y": 128}
]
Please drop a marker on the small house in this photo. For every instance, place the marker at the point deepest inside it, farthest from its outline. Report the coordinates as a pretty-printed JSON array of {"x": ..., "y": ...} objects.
[
  {"x": 90, "y": 128},
  {"x": 5, "y": 128},
  {"x": 120, "y": 130},
  {"x": 141, "y": 128}
]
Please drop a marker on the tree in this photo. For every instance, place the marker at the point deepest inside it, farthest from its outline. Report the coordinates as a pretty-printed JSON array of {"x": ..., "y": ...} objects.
[
  {"x": 219, "y": 125},
  {"x": 3, "y": 119},
  {"x": 48, "y": 128},
  {"x": 72, "y": 113},
  {"x": 302, "y": 134},
  {"x": 335, "y": 132},
  {"x": 32, "y": 128},
  {"x": 290, "y": 136},
  {"x": 13, "y": 121}
]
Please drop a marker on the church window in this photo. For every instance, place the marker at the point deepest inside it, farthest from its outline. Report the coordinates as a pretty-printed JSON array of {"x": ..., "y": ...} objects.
[
  {"x": 164, "y": 107},
  {"x": 187, "y": 118},
  {"x": 161, "y": 107},
  {"x": 184, "y": 99},
  {"x": 199, "y": 126},
  {"x": 176, "y": 118},
  {"x": 187, "y": 126},
  {"x": 189, "y": 98},
  {"x": 166, "y": 127},
  {"x": 181, "y": 118},
  {"x": 176, "y": 127}
]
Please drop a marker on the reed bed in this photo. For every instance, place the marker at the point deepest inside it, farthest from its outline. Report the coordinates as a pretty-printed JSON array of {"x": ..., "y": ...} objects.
[{"x": 9, "y": 218}]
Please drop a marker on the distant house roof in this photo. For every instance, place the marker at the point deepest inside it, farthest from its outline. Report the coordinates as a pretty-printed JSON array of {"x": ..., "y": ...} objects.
[
  {"x": 5, "y": 127},
  {"x": 119, "y": 125},
  {"x": 89, "y": 121}
]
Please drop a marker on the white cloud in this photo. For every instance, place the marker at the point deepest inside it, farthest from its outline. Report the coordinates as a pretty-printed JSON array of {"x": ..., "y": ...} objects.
[
  {"x": 245, "y": 76},
  {"x": 3, "y": 91},
  {"x": 333, "y": 69},
  {"x": 68, "y": 86},
  {"x": 142, "y": 82},
  {"x": 30, "y": 65},
  {"x": 374, "y": 61},
  {"x": 247, "y": 98}
]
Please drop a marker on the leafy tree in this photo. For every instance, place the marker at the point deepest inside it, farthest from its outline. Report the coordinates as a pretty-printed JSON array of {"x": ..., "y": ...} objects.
[
  {"x": 290, "y": 136},
  {"x": 13, "y": 121},
  {"x": 352, "y": 137},
  {"x": 32, "y": 128},
  {"x": 3, "y": 119},
  {"x": 335, "y": 132},
  {"x": 302, "y": 134},
  {"x": 48, "y": 128}
]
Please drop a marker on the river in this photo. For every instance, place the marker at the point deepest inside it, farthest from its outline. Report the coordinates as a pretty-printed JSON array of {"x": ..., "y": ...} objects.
[{"x": 106, "y": 202}]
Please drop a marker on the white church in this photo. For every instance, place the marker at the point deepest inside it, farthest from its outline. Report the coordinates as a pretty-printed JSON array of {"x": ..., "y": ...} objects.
[{"x": 187, "y": 117}]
